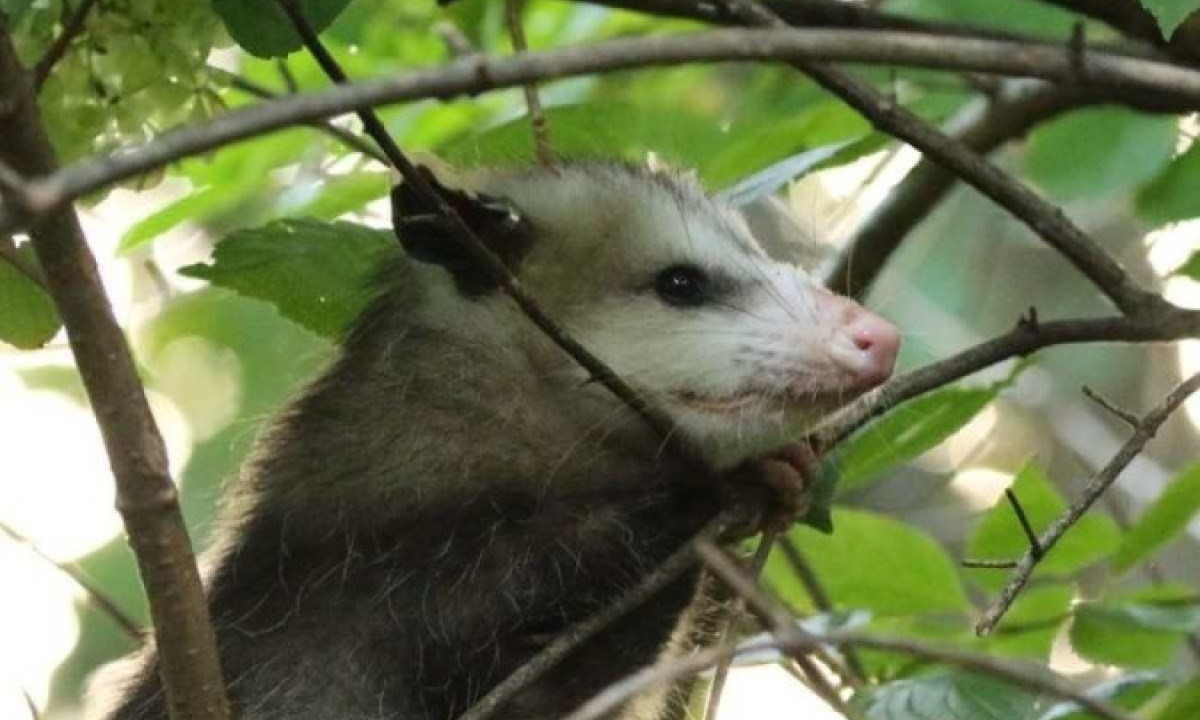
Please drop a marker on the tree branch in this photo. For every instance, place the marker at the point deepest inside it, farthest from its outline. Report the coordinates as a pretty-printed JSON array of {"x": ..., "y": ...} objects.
[
  {"x": 1125, "y": 16},
  {"x": 1117, "y": 73},
  {"x": 1096, "y": 487},
  {"x": 96, "y": 595},
  {"x": 146, "y": 497},
  {"x": 58, "y": 49},
  {"x": 790, "y": 637},
  {"x": 566, "y": 642},
  {"x": 342, "y": 135},
  {"x": 861, "y": 259},
  {"x": 1171, "y": 323},
  {"x": 533, "y": 103}
]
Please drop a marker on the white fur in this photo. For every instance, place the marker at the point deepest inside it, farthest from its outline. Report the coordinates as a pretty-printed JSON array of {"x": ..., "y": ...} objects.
[{"x": 606, "y": 231}]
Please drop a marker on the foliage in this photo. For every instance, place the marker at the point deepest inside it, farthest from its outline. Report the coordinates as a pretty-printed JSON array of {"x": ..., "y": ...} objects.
[{"x": 290, "y": 218}]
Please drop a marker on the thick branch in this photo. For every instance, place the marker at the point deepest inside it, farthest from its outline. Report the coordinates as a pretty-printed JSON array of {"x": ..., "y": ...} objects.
[
  {"x": 146, "y": 497},
  {"x": 1118, "y": 73},
  {"x": 1095, "y": 488}
]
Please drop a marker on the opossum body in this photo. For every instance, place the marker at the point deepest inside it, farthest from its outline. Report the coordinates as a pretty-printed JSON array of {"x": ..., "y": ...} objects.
[{"x": 453, "y": 492}]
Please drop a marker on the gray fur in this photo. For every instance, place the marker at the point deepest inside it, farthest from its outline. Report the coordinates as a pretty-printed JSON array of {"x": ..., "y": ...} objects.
[{"x": 448, "y": 496}]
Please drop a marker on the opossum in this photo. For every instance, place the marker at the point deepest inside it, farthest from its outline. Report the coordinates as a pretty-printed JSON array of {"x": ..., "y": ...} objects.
[{"x": 454, "y": 490}]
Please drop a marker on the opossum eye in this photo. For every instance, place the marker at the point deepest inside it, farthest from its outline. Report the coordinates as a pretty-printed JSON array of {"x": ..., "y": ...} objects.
[{"x": 683, "y": 285}]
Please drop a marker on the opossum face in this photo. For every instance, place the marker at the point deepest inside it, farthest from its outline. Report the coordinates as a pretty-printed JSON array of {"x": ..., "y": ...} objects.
[{"x": 670, "y": 290}]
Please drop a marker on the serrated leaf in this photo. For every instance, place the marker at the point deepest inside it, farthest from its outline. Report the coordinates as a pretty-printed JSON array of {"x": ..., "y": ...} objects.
[
  {"x": 999, "y": 535},
  {"x": 28, "y": 318},
  {"x": 262, "y": 28},
  {"x": 920, "y": 576},
  {"x": 1062, "y": 155},
  {"x": 1165, "y": 519},
  {"x": 314, "y": 273},
  {"x": 1170, "y": 13},
  {"x": 1174, "y": 194},
  {"x": 1127, "y": 692},
  {"x": 1132, "y": 634},
  {"x": 911, "y": 429},
  {"x": 952, "y": 695}
]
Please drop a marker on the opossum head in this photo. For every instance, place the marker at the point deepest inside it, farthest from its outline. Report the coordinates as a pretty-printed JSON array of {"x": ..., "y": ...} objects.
[{"x": 668, "y": 287}]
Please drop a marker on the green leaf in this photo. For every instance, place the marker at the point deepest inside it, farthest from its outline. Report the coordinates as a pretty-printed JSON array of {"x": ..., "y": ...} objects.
[
  {"x": 1062, "y": 155},
  {"x": 952, "y": 695},
  {"x": 343, "y": 194},
  {"x": 1165, "y": 519},
  {"x": 315, "y": 273},
  {"x": 202, "y": 202},
  {"x": 1184, "y": 703},
  {"x": 1132, "y": 634},
  {"x": 1170, "y": 13},
  {"x": 28, "y": 318},
  {"x": 920, "y": 578},
  {"x": 1127, "y": 692},
  {"x": 1190, "y": 269},
  {"x": 911, "y": 429},
  {"x": 599, "y": 130},
  {"x": 1175, "y": 193},
  {"x": 768, "y": 180},
  {"x": 999, "y": 535},
  {"x": 262, "y": 28},
  {"x": 1033, "y": 621}
]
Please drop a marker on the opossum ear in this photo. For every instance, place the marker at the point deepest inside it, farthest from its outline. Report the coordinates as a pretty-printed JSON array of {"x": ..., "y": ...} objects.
[{"x": 430, "y": 237}]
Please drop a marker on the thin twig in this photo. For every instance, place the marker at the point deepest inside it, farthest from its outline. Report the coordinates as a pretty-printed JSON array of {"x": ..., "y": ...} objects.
[
  {"x": 31, "y": 705},
  {"x": 1025, "y": 338},
  {"x": 989, "y": 564},
  {"x": 732, "y": 615},
  {"x": 793, "y": 638},
  {"x": 566, "y": 642},
  {"x": 778, "y": 620},
  {"x": 341, "y": 134},
  {"x": 1120, "y": 413},
  {"x": 1035, "y": 547},
  {"x": 58, "y": 49},
  {"x": 1120, "y": 74},
  {"x": 98, "y": 597},
  {"x": 816, "y": 592},
  {"x": 1046, "y": 220},
  {"x": 1126, "y": 16},
  {"x": 457, "y": 43},
  {"x": 864, "y": 255},
  {"x": 1096, "y": 487},
  {"x": 488, "y": 260},
  {"x": 537, "y": 118}
]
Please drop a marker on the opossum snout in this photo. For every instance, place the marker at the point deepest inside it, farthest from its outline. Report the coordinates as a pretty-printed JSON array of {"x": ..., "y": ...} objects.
[{"x": 863, "y": 344}]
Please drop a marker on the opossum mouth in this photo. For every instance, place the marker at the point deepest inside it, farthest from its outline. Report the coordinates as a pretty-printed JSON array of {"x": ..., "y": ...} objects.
[
  {"x": 815, "y": 397},
  {"x": 716, "y": 405}
]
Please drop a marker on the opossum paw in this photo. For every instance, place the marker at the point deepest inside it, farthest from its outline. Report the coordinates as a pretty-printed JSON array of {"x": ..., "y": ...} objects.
[{"x": 773, "y": 491}]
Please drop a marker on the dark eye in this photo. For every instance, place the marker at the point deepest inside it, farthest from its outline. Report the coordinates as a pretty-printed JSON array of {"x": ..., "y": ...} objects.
[{"x": 682, "y": 285}]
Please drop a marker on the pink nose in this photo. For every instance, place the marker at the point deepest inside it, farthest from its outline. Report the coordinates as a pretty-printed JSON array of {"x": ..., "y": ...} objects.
[{"x": 864, "y": 344}]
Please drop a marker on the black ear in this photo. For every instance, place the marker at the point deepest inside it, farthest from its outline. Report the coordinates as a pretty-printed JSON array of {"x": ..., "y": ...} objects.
[{"x": 429, "y": 237}]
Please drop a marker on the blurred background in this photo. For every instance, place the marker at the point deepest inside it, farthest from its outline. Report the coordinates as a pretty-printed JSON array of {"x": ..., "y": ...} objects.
[{"x": 217, "y": 364}]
